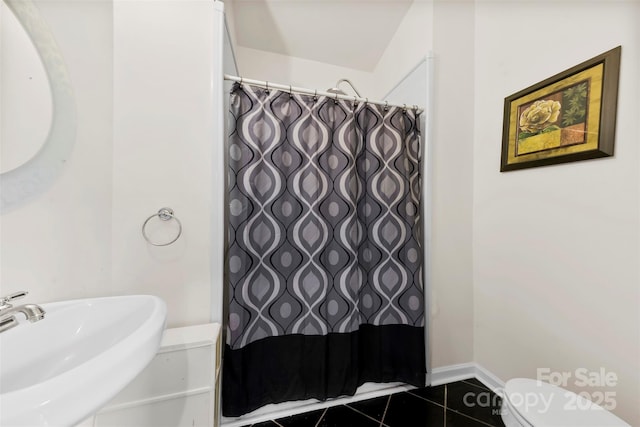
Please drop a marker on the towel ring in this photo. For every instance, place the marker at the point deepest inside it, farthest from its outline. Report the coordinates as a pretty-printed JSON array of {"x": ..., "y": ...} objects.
[{"x": 165, "y": 214}]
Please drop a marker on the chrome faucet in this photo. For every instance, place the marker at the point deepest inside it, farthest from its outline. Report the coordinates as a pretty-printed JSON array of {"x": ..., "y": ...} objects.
[{"x": 8, "y": 320}]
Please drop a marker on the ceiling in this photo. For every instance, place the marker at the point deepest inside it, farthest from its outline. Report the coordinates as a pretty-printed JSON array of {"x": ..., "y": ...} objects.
[{"x": 347, "y": 33}]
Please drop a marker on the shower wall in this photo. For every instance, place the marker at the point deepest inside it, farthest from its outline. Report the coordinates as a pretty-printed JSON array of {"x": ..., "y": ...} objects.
[{"x": 142, "y": 74}]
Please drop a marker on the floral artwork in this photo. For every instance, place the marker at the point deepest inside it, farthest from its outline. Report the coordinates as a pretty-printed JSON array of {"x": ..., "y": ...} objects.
[
  {"x": 559, "y": 120},
  {"x": 567, "y": 117},
  {"x": 539, "y": 117}
]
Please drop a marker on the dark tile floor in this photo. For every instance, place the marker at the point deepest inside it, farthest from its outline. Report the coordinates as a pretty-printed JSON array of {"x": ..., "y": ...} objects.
[{"x": 465, "y": 403}]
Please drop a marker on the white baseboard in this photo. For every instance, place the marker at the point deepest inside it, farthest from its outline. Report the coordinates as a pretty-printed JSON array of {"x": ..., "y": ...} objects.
[
  {"x": 464, "y": 371},
  {"x": 489, "y": 379},
  {"x": 452, "y": 373}
]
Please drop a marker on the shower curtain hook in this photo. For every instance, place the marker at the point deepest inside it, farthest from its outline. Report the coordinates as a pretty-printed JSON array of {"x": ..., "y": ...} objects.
[
  {"x": 315, "y": 95},
  {"x": 290, "y": 92},
  {"x": 404, "y": 109},
  {"x": 335, "y": 101},
  {"x": 267, "y": 88},
  {"x": 386, "y": 105},
  {"x": 355, "y": 101}
]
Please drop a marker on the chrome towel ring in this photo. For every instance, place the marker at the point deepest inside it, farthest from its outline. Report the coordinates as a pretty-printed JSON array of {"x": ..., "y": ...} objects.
[{"x": 165, "y": 214}]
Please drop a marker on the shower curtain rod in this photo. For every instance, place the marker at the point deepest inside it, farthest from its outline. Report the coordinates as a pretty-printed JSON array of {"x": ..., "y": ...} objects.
[{"x": 306, "y": 91}]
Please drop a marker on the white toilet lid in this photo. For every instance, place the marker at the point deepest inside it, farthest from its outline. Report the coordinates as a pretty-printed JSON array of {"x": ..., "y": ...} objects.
[{"x": 543, "y": 404}]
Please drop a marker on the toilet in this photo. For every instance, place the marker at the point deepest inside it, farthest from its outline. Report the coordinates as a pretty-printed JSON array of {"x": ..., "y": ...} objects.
[{"x": 531, "y": 403}]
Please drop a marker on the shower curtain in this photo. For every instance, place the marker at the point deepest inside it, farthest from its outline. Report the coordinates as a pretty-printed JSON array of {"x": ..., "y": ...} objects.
[{"x": 325, "y": 264}]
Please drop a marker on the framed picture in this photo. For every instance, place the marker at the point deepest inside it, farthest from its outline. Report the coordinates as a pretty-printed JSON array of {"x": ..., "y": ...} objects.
[{"x": 570, "y": 116}]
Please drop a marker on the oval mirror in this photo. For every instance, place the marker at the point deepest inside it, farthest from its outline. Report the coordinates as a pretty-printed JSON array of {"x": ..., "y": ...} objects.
[
  {"x": 25, "y": 104},
  {"x": 37, "y": 105}
]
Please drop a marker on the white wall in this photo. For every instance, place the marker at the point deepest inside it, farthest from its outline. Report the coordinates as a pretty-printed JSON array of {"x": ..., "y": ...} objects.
[
  {"x": 58, "y": 245},
  {"x": 409, "y": 45},
  {"x": 445, "y": 29},
  {"x": 142, "y": 75},
  {"x": 283, "y": 69},
  {"x": 452, "y": 160},
  {"x": 163, "y": 152},
  {"x": 405, "y": 50},
  {"x": 556, "y": 249}
]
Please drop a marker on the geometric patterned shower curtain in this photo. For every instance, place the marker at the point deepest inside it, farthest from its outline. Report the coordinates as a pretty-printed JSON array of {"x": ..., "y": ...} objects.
[{"x": 325, "y": 257}]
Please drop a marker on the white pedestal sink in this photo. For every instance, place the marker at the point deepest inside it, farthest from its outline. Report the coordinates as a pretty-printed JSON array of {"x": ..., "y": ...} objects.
[{"x": 60, "y": 370}]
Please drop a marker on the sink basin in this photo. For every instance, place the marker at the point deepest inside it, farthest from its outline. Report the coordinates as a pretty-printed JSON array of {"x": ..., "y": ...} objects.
[{"x": 62, "y": 369}]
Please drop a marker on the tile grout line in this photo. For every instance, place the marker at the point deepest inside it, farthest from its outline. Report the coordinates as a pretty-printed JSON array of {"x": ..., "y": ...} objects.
[
  {"x": 425, "y": 399},
  {"x": 446, "y": 392},
  {"x": 384, "y": 414},
  {"x": 321, "y": 417},
  {"x": 477, "y": 386},
  {"x": 361, "y": 413}
]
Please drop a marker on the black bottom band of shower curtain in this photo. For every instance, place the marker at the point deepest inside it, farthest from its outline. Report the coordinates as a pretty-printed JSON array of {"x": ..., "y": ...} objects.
[{"x": 298, "y": 367}]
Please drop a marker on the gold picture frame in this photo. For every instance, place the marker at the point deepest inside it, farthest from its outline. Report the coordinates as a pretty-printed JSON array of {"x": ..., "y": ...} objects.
[{"x": 568, "y": 117}]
